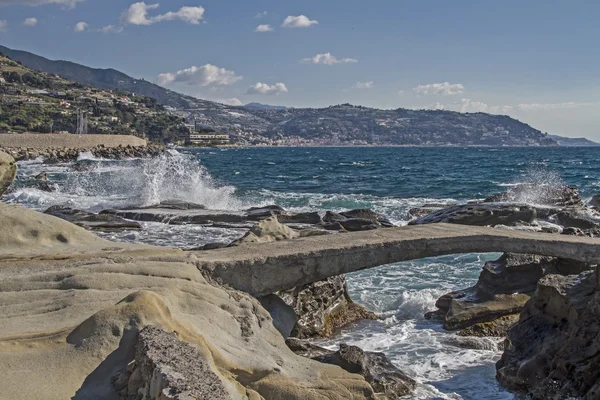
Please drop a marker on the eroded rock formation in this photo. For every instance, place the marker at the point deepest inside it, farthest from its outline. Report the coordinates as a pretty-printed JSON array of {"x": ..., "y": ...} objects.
[{"x": 8, "y": 171}]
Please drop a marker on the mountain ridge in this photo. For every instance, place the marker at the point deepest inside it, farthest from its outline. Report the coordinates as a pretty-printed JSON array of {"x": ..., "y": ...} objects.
[{"x": 343, "y": 124}]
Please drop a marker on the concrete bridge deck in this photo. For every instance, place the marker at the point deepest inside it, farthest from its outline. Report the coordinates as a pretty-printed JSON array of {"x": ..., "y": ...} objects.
[{"x": 260, "y": 269}]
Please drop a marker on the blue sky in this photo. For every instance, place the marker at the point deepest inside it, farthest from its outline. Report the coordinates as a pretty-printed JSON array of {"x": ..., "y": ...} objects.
[{"x": 536, "y": 60}]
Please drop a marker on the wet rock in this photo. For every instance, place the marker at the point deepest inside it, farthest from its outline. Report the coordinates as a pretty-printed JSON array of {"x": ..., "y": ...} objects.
[
  {"x": 561, "y": 196},
  {"x": 553, "y": 351},
  {"x": 331, "y": 217},
  {"x": 312, "y": 218},
  {"x": 364, "y": 213},
  {"x": 46, "y": 186},
  {"x": 359, "y": 224},
  {"x": 496, "y": 328},
  {"x": 92, "y": 221},
  {"x": 258, "y": 213},
  {"x": 82, "y": 167},
  {"x": 177, "y": 205},
  {"x": 306, "y": 349},
  {"x": 383, "y": 376},
  {"x": 43, "y": 176},
  {"x": 426, "y": 209},
  {"x": 480, "y": 215},
  {"x": 571, "y": 218},
  {"x": 8, "y": 171},
  {"x": 333, "y": 226},
  {"x": 477, "y": 343},
  {"x": 595, "y": 201},
  {"x": 503, "y": 288},
  {"x": 323, "y": 307}
]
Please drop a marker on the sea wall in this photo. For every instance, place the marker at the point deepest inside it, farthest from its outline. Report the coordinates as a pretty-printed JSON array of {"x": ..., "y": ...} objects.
[{"x": 57, "y": 141}]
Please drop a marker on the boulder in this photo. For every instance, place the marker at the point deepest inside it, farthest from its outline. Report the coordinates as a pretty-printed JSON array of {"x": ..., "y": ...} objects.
[
  {"x": 43, "y": 176},
  {"x": 323, "y": 307},
  {"x": 383, "y": 376},
  {"x": 168, "y": 368},
  {"x": 312, "y": 218},
  {"x": 284, "y": 317},
  {"x": 91, "y": 221},
  {"x": 595, "y": 201},
  {"x": 267, "y": 230},
  {"x": 359, "y": 224},
  {"x": 364, "y": 213},
  {"x": 553, "y": 351},
  {"x": 574, "y": 218},
  {"x": 503, "y": 288},
  {"x": 8, "y": 171},
  {"x": 480, "y": 215}
]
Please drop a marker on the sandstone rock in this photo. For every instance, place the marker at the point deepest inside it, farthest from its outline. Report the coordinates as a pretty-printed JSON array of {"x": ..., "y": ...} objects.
[
  {"x": 323, "y": 307},
  {"x": 90, "y": 220},
  {"x": 8, "y": 171},
  {"x": 377, "y": 369},
  {"x": 465, "y": 313},
  {"x": 167, "y": 368},
  {"x": 268, "y": 230},
  {"x": 554, "y": 350},
  {"x": 284, "y": 317},
  {"x": 306, "y": 349},
  {"x": 480, "y": 215},
  {"x": 110, "y": 292}
]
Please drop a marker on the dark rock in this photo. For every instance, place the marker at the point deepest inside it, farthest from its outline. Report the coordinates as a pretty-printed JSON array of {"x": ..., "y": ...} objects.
[
  {"x": 323, "y": 307},
  {"x": 480, "y": 215},
  {"x": 503, "y": 288},
  {"x": 46, "y": 186},
  {"x": 82, "y": 167},
  {"x": 570, "y": 218},
  {"x": 43, "y": 176},
  {"x": 299, "y": 218},
  {"x": 331, "y": 217},
  {"x": 496, "y": 328},
  {"x": 333, "y": 226},
  {"x": 284, "y": 316},
  {"x": 210, "y": 246},
  {"x": 378, "y": 370},
  {"x": 426, "y": 209},
  {"x": 306, "y": 349},
  {"x": 368, "y": 214},
  {"x": 359, "y": 224},
  {"x": 260, "y": 213},
  {"x": 90, "y": 220},
  {"x": 562, "y": 196},
  {"x": 177, "y": 205},
  {"x": 595, "y": 201},
  {"x": 553, "y": 351}
]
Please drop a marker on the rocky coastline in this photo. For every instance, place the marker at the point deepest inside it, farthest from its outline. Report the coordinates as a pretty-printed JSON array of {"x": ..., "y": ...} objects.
[{"x": 138, "y": 321}]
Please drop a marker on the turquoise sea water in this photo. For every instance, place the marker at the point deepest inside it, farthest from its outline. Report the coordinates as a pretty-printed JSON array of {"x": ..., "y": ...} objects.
[{"x": 388, "y": 180}]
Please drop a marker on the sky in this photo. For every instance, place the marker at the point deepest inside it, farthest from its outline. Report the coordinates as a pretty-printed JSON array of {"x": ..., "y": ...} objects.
[{"x": 535, "y": 60}]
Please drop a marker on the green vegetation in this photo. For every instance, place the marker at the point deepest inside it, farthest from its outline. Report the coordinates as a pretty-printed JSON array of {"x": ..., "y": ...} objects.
[{"x": 33, "y": 101}]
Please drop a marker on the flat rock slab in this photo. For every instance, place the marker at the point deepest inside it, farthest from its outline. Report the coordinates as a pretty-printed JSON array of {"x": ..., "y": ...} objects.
[{"x": 180, "y": 216}]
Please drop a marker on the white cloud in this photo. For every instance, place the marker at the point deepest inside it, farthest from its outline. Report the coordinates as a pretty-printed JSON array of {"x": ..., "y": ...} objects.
[
  {"x": 263, "y": 88},
  {"x": 400, "y": 91},
  {"x": 553, "y": 106},
  {"x": 206, "y": 75},
  {"x": 111, "y": 29},
  {"x": 234, "y": 101},
  {"x": 263, "y": 28},
  {"x": 261, "y": 14},
  {"x": 301, "y": 21},
  {"x": 3, "y": 25},
  {"x": 80, "y": 26},
  {"x": 66, "y": 3},
  {"x": 30, "y": 22},
  {"x": 327, "y": 59},
  {"x": 137, "y": 14},
  {"x": 471, "y": 106},
  {"x": 444, "y": 88},
  {"x": 363, "y": 85}
]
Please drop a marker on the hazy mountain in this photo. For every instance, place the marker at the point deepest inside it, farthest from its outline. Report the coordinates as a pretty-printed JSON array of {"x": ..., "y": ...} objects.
[
  {"x": 343, "y": 124},
  {"x": 259, "y": 106},
  {"x": 573, "y": 142}
]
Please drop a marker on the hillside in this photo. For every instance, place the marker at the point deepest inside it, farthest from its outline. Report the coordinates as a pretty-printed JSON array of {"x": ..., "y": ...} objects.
[
  {"x": 573, "y": 142},
  {"x": 33, "y": 101},
  {"x": 256, "y": 124}
]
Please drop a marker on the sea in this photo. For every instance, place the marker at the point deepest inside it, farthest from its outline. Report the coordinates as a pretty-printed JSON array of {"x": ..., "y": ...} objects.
[{"x": 390, "y": 181}]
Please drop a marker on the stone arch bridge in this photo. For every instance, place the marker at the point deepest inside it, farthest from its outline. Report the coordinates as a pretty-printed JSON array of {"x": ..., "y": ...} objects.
[{"x": 261, "y": 269}]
